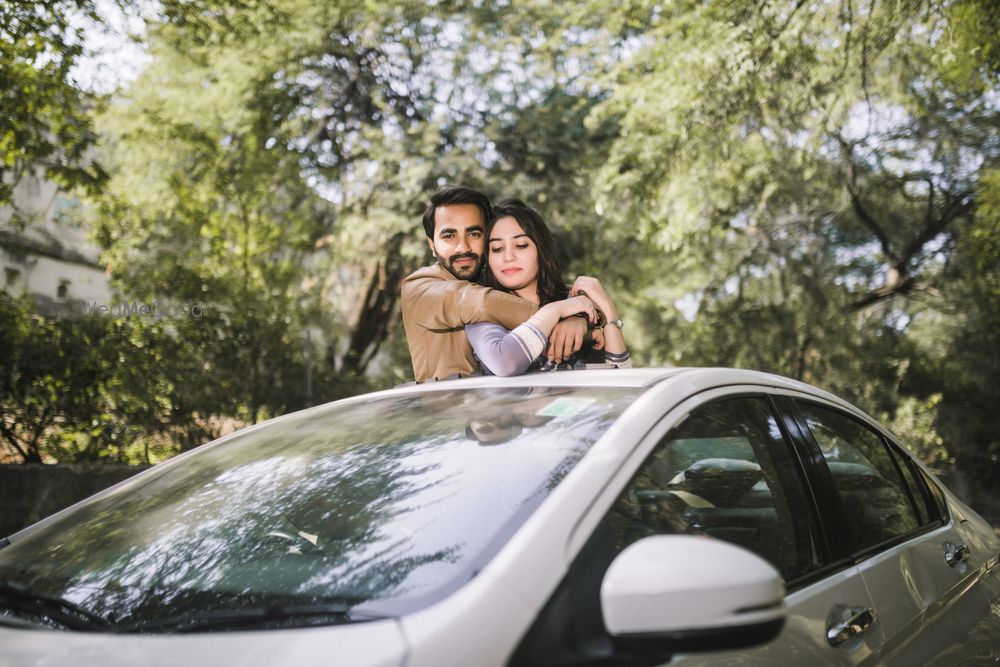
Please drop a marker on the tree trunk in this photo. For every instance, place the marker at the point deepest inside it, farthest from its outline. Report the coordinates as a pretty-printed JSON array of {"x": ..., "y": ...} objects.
[{"x": 378, "y": 314}]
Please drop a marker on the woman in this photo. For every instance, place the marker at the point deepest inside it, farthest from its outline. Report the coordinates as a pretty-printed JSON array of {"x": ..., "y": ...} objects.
[{"x": 521, "y": 259}]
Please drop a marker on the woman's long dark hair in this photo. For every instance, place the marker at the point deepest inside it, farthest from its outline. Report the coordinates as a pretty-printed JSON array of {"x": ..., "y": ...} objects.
[{"x": 550, "y": 283}]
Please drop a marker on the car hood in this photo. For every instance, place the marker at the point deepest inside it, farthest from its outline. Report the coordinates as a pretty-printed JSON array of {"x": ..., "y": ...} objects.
[{"x": 373, "y": 644}]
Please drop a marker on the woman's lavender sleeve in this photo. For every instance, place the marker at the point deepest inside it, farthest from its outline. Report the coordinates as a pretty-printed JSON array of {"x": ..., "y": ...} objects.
[{"x": 503, "y": 352}]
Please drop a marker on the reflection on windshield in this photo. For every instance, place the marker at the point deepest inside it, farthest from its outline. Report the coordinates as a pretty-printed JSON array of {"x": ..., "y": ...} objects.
[
  {"x": 497, "y": 423},
  {"x": 379, "y": 506}
]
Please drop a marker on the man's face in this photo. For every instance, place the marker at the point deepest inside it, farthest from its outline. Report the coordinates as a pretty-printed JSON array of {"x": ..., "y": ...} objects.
[{"x": 458, "y": 239}]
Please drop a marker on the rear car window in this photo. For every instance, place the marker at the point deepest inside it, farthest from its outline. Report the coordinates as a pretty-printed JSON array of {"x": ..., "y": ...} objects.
[{"x": 874, "y": 496}]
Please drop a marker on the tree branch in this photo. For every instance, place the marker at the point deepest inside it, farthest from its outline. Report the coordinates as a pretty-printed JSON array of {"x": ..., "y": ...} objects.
[
  {"x": 907, "y": 284},
  {"x": 851, "y": 183},
  {"x": 11, "y": 440}
]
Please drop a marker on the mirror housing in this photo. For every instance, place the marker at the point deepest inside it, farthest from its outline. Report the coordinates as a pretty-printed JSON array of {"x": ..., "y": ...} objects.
[{"x": 687, "y": 593}]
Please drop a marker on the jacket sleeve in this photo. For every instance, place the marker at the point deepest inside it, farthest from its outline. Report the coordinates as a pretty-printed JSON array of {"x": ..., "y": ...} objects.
[
  {"x": 451, "y": 304},
  {"x": 503, "y": 352}
]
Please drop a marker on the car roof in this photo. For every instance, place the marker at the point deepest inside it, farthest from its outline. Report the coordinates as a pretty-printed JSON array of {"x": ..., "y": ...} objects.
[
  {"x": 684, "y": 380},
  {"x": 593, "y": 375},
  {"x": 688, "y": 379},
  {"x": 600, "y": 375}
]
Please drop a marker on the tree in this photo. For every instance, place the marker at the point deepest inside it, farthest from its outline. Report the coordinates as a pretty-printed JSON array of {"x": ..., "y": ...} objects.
[
  {"x": 812, "y": 173},
  {"x": 46, "y": 117}
]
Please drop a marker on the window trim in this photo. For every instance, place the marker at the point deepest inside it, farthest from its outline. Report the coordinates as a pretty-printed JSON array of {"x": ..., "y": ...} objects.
[
  {"x": 816, "y": 477},
  {"x": 922, "y": 478},
  {"x": 938, "y": 499},
  {"x": 894, "y": 455},
  {"x": 834, "y": 562},
  {"x": 795, "y": 461},
  {"x": 935, "y": 515}
]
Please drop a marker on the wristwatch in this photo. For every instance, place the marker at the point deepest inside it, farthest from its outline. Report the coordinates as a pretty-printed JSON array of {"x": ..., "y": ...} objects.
[{"x": 617, "y": 322}]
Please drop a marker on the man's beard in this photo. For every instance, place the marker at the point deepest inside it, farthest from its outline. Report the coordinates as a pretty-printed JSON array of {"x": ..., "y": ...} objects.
[{"x": 463, "y": 273}]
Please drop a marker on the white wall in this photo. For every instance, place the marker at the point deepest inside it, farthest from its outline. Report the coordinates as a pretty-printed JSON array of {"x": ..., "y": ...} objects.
[
  {"x": 39, "y": 274},
  {"x": 42, "y": 276}
]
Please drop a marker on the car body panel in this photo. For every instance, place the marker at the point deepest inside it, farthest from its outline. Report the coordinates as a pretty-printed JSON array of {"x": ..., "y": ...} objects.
[
  {"x": 925, "y": 606},
  {"x": 373, "y": 644},
  {"x": 982, "y": 639},
  {"x": 522, "y": 575},
  {"x": 983, "y": 542},
  {"x": 803, "y": 639},
  {"x": 478, "y": 625}
]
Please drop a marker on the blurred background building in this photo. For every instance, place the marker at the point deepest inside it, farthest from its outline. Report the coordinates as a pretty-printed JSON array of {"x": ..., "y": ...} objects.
[{"x": 45, "y": 251}]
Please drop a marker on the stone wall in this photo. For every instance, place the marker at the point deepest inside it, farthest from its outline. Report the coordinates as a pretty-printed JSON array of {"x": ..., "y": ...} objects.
[{"x": 31, "y": 492}]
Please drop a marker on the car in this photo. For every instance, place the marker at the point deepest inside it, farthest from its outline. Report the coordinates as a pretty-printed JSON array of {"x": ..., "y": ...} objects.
[{"x": 592, "y": 517}]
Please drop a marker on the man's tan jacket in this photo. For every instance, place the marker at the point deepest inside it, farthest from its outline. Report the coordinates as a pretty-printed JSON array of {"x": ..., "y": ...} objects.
[{"x": 436, "y": 308}]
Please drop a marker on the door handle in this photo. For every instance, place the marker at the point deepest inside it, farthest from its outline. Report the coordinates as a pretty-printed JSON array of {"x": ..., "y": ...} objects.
[
  {"x": 955, "y": 554},
  {"x": 840, "y": 629}
]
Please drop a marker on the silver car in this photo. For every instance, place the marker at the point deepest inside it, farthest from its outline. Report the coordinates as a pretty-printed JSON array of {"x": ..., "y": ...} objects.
[{"x": 593, "y": 517}]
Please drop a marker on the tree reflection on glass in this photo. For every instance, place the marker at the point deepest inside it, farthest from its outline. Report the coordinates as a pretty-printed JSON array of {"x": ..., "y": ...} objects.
[{"x": 381, "y": 505}]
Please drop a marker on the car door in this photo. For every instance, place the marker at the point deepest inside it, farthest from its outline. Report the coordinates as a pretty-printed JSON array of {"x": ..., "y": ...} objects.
[
  {"x": 917, "y": 568},
  {"x": 729, "y": 471}
]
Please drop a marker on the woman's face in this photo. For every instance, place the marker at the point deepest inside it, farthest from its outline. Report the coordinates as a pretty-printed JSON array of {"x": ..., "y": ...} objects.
[{"x": 513, "y": 256}]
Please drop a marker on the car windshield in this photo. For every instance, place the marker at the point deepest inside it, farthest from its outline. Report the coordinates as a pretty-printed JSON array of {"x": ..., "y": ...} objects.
[{"x": 340, "y": 513}]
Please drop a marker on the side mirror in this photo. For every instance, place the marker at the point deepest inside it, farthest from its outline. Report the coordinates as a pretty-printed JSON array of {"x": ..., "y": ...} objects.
[{"x": 670, "y": 593}]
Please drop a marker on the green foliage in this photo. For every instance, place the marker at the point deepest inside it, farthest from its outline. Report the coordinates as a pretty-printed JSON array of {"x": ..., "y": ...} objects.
[
  {"x": 915, "y": 423},
  {"x": 965, "y": 354},
  {"x": 215, "y": 203},
  {"x": 83, "y": 388},
  {"x": 45, "y": 117},
  {"x": 970, "y": 54}
]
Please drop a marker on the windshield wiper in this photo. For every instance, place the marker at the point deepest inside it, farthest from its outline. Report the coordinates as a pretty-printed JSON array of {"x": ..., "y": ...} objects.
[
  {"x": 48, "y": 609},
  {"x": 278, "y": 615}
]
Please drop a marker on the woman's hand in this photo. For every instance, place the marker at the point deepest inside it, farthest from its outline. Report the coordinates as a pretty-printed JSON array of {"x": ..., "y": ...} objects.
[
  {"x": 592, "y": 287},
  {"x": 611, "y": 338},
  {"x": 548, "y": 317},
  {"x": 578, "y": 304}
]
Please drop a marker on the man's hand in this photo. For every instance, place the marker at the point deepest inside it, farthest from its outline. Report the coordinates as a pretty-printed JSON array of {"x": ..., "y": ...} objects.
[
  {"x": 597, "y": 339},
  {"x": 566, "y": 338}
]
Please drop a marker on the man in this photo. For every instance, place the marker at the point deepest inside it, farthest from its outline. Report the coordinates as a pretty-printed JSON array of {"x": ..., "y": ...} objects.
[{"x": 438, "y": 301}]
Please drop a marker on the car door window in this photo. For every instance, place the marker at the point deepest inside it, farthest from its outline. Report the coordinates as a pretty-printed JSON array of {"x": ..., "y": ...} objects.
[
  {"x": 874, "y": 496},
  {"x": 726, "y": 472},
  {"x": 922, "y": 500}
]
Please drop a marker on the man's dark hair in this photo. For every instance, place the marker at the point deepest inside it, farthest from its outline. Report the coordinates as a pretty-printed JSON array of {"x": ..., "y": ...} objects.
[
  {"x": 551, "y": 286},
  {"x": 448, "y": 195}
]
